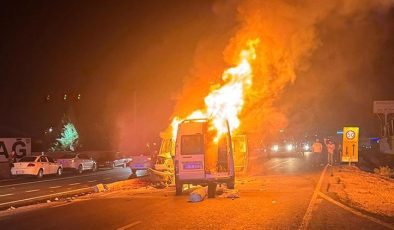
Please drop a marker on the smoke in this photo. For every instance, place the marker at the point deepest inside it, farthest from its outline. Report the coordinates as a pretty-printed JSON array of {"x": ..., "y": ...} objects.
[{"x": 293, "y": 34}]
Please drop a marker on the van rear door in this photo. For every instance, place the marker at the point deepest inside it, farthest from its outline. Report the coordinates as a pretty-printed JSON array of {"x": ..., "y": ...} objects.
[{"x": 191, "y": 157}]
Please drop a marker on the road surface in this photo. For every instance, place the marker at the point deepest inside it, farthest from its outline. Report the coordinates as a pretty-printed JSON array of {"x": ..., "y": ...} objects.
[
  {"x": 279, "y": 193},
  {"x": 16, "y": 191}
]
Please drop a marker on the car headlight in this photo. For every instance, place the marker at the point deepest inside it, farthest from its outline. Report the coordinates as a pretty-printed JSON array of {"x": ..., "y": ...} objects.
[
  {"x": 306, "y": 147},
  {"x": 275, "y": 148},
  {"x": 289, "y": 147}
]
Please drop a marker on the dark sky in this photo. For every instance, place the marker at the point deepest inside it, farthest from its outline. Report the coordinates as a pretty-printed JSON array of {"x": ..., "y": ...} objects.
[
  {"x": 103, "y": 50},
  {"x": 121, "y": 55}
]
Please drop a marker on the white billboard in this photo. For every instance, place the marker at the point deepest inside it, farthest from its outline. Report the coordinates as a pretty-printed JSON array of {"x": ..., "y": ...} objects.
[
  {"x": 21, "y": 146},
  {"x": 384, "y": 107}
]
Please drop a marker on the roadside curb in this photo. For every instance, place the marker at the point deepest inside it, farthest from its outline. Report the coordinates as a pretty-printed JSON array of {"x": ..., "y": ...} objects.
[{"x": 38, "y": 199}]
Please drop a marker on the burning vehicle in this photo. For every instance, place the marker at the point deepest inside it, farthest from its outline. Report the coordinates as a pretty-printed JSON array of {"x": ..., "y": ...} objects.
[{"x": 201, "y": 158}]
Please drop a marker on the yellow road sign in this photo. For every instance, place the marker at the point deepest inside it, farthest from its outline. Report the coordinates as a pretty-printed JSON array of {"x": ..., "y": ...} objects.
[{"x": 350, "y": 144}]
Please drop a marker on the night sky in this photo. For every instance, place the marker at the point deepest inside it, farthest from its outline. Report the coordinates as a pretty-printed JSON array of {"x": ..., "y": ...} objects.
[{"x": 122, "y": 55}]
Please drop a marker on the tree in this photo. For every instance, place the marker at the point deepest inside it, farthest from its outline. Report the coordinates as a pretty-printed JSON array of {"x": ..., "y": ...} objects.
[{"x": 69, "y": 138}]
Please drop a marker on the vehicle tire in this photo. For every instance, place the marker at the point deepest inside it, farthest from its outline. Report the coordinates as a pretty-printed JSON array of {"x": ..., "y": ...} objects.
[
  {"x": 40, "y": 173},
  {"x": 178, "y": 189},
  {"x": 124, "y": 165},
  {"x": 94, "y": 169},
  {"x": 212, "y": 190},
  {"x": 230, "y": 185},
  {"x": 134, "y": 171},
  {"x": 59, "y": 172},
  {"x": 80, "y": 169},
  {"x": 113, "y": 165}
]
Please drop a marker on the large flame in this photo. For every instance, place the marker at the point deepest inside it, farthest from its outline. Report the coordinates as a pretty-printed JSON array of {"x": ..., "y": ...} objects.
[{"x": 225, "y": 101}]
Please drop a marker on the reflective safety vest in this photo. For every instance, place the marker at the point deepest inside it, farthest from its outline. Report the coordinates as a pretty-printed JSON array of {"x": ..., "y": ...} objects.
[{"x": 317, "y": 147}]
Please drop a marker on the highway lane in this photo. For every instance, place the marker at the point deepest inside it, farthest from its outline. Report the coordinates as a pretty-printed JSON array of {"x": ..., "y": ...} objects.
[
  {"x": 163, "y": 210},
  {"x": 277, "y": 194},
  {"x": 26, "y": 188}
]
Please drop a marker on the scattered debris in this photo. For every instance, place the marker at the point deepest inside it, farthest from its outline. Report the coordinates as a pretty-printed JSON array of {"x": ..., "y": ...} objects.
[
  {"x": 273, "y": 201},
  {"x": 231, "y": 193},
  {"x": 48, "y": 201},
  {"x": 56, "y": 199},
  {"x": 99, "y": 188},
  {"x": 198, "y": 194},
  {"x": 12, "y": 208}
]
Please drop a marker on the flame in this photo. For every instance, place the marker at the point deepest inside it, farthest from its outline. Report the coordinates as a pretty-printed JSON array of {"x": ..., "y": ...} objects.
[{"x": 225, "y": 102}]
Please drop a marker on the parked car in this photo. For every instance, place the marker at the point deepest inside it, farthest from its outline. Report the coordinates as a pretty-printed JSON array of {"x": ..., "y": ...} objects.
[
  {"x": 141, "y": 162},
  {"x": 112, "y": 160},
  {"x": 37, "y": 166},
  {"x": 78, "y": 162}
]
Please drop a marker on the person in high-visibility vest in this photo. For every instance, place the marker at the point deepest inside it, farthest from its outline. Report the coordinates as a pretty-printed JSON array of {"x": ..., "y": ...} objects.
[{"x": 317, "y": 149}]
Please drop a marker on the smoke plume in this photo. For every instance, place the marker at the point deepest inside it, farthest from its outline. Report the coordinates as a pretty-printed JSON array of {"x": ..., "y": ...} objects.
[{"x": 292, "y": 35}]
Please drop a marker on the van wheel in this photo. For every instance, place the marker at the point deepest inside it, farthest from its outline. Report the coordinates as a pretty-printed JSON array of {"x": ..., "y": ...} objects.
[
  {"x": 178, "y": 189},
  {"x": 94, "y": 169},
  {"x": 59, "y": 172},
  {"x": 134, "y": 171},
  {"x": 40, "y": 174},
  {"x": 212, "y": 190},
  {"x": 80, "y": 169},
  {"x": 230, "y": 185}
]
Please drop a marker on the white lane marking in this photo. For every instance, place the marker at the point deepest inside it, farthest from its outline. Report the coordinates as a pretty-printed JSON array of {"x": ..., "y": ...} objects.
[
  {"x": 355, "y": 212},
  {"x": 90, "y": 181},
  {"x": 129, "y": 225},
  {"x": 56, "y": 186},
  {"x": 65, "y": 178},
  {"x": 34, "y": 190},
  {"x": 308, "y": 214},
  {"x": 279, "y": 164},
  {"x": 44, "y": 196},
  {"x": 74, "y": 184},
  {"x": 9, "y": 194}
]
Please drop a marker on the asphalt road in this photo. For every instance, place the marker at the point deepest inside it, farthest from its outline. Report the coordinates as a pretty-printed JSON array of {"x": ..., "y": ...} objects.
[
  {"x": 16, "y": 191},
  {"x": 278, "y": 193}
]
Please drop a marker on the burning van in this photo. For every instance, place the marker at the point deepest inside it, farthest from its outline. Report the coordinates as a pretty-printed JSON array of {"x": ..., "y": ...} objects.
[{"x": 201, "y": 157}]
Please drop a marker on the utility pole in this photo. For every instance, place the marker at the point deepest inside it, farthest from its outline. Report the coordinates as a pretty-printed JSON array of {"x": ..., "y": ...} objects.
[{"x": 135, "y": 141}]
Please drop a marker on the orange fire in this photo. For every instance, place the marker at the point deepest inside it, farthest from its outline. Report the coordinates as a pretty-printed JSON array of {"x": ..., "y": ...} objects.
[{"x": 225, "y": 102}]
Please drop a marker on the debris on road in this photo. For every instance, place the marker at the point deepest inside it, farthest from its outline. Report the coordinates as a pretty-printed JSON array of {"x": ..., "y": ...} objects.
[
  {"x": 273, "y": 201},
  {"x": 367, "y": 191},
  {"x": 198, "y": 194},
  {"x": 231, "y": 193},
  {"x": 99, "y": 188},
  {"x": 48, "y": 201}
]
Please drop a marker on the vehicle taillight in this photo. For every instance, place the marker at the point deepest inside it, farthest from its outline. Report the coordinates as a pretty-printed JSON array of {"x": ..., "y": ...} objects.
[{"x": 31, "y": 165}]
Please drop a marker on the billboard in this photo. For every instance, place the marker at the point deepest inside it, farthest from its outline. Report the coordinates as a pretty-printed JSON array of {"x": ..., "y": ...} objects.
[
  {"x": 21, "y": 146},
  {"x": 383, "y": 107}
]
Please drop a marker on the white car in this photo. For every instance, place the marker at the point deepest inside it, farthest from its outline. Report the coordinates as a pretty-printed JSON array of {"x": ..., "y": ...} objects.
[
  {"x": 141, "y": 162},
  {"x": 37, "y": 166},
  {"x": 78, "y": 162}
]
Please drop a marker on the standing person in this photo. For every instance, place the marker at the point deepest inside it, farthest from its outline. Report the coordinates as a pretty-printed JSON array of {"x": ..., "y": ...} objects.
[
  {"x": 330, "y": 151},
  {"x": 317, "y": 149}
]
